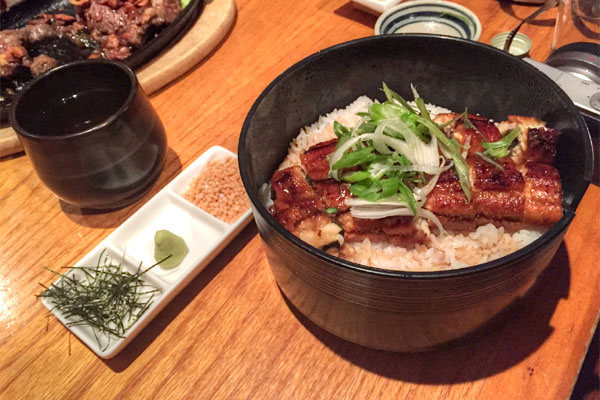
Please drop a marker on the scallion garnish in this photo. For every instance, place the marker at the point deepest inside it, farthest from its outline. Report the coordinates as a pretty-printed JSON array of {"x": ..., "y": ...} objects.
[
  {"x": 331, "y": 210},
  {"x": 340, "y": 130},
  {"x": 394, "y": 153},
  {"x": 362, "y": 156},
  {"x": 501, "y": 148},
  {"x": 453, "y": 149},
  {"x": 391, "y": 96},
  {"x": 468, "y": 124},
  {"x": 490, "y": 160}
]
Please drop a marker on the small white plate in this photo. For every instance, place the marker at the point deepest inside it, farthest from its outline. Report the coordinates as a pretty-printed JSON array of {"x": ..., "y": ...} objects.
[
  {"x": 436, "y": 17},
  {"x": 375, "y": 7},
  {"x": 133, "y": 242}
]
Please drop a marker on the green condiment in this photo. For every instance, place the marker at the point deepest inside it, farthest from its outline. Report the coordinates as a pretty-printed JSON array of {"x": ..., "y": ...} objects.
[
  {"x": 167, "y": 244},
  {"x": 107, "y": 298}
]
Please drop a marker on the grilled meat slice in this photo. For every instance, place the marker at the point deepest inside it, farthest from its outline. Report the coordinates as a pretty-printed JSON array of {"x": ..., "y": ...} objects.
[
  {"x": 12, "y": 52},
  {"x": 300, "y": 209},
  {"x": 315, "y": 160},
  {"x": 448, "y": 199},
  {"x": 295, "y": 199},
  {"x": 543, "y": 195},
  {"x": 333, "y": 193},
  {"x": 486, "y": 176},
  {"x": 396, "y": 230},
  {"x": 41, "y": 64},
  {"x": 536, "y": 143},
  {"x": 121, "y": 25},
  {"x": 496, "y": 196},
  {"x": 166, "y": 11},
  {"x": 486, "y": 130},
  {"x": 459, "y": 224},
  {"x": 496, "y": 193}
]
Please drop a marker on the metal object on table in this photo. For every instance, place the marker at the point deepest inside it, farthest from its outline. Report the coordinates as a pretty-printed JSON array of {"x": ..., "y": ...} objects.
[
  {"x": 576, "y": 80},
  {"x": 581, "y": 59},
  {"x": 549, "y": 4}
]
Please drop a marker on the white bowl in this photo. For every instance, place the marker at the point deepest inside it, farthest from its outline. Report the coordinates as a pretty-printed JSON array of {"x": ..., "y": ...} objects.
[{"x": 435, "y": 17}]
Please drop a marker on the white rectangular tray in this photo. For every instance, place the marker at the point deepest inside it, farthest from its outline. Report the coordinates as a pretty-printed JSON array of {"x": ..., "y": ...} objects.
[
  {"x": 133, "y": 242},
  {"x": 375, "y": 7}
]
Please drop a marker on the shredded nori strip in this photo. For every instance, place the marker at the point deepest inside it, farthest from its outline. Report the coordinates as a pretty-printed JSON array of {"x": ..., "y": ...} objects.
[{"x": 106, "y": 297}]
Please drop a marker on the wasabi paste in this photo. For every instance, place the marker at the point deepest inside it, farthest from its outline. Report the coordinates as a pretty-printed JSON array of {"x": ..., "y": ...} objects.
[{"x": 167, "y": 244}]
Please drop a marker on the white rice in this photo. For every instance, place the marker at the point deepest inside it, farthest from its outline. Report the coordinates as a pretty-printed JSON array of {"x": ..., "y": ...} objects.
[{"x": 455, "y": 250}]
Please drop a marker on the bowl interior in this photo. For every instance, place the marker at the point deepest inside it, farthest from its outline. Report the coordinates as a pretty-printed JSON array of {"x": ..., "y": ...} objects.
[{"x": 448, "y": 72}]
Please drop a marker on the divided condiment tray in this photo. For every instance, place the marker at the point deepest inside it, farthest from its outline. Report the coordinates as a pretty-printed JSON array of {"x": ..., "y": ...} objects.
[{"x": 132, "y": 243}]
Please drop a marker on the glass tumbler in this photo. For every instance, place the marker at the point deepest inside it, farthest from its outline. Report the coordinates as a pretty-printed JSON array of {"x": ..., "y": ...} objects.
[{"x": 577, "y": 21}]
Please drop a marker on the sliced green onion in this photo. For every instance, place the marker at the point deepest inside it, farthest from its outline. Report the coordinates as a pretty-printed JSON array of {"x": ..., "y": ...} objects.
[
  {"x": 501, "y": 148},
  {"x": 490, "y": 160},
  {"x": 389, "y": 187},
  {"x": 453, "y": 120},
  {"x": 453, "y": 149},
  {"x": 469, "y": 124},
  {"x": 414, "y": 90},
  {"x": 356, "y": 176},
  {"x": 354, "y": 158},
  {"x": 340, "y": 130},
  {"x": 422, "y": 109},
  {"x": 368, "y": 189},
  {"x": 331, "y": 210},
  {"x": 408, "y": 195},
  {"x": 391, "y": 96}
]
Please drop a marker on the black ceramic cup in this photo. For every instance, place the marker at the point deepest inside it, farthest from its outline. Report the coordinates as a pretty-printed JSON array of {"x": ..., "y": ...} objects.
[{"x": 91, "y": 133}]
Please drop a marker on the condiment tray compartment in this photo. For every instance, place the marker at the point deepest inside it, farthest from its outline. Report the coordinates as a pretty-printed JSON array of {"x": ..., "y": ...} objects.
[{"x": 132, "y": 243}]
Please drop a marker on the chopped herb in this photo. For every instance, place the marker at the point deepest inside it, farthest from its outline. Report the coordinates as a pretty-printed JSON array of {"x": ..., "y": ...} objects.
[
  {"x": 390, "y": 139},
  {"x": 106, "y": 297},
  {"x": 391, "y": 96},
  {"x": 409, "y": 197},
  {"x": 356, "y": 176},
  {"x": 340, "y": 130},
  {"x": 356, "y": 158},
  {"x": 331, "y": 210},
  {"x": 490, "y": 160},
  {"x": 453, "y": 120},
  {"x": 469, "y": 124},
  {"x": 501, "y": 148},
  {"x": 453, "y": 148}
]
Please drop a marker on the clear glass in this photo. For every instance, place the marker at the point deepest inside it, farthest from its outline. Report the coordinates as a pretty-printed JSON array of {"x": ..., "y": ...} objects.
[{"x": 577, "y": 21}]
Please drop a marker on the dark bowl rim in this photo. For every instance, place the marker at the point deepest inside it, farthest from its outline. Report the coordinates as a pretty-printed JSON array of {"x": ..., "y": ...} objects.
[
  {"x": 547, "y": 237},
  {"x": 117, "y": 66}
]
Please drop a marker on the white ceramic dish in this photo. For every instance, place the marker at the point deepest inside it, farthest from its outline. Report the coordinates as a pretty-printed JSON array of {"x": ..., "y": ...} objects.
[
  {"x": 375, "y": 7},
  {"x": 133, "y": 242},
  {"x": 435, "y": 17}
]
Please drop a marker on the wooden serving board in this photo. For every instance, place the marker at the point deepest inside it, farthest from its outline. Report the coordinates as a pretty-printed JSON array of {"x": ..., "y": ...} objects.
[{"x": 209, "y": 30}]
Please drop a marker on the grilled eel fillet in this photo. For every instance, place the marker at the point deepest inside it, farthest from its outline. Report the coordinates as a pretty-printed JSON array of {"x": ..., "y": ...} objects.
[{"x": 525, "y": 193}]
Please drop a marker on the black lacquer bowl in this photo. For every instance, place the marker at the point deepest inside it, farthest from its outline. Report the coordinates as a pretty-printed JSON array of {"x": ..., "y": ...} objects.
[{"x": 406, "y": 311}]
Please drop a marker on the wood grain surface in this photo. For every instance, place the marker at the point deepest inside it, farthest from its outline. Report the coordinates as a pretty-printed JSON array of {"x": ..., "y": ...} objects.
[
  {"x": 209, "y": 29},
  {"x": 230, "y": 334}
]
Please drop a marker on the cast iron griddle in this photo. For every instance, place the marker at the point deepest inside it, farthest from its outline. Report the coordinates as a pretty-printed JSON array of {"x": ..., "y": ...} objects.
[{"x": 18, "y": 16}]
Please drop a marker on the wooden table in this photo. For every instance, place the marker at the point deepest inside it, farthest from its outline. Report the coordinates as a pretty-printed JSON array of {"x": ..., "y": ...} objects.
[{"x": 229, "y": 333}]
